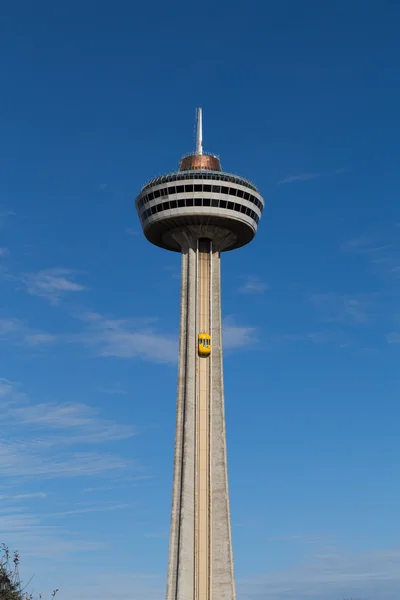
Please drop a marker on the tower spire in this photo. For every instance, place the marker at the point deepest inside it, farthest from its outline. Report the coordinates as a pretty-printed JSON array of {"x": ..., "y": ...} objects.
[{"x": 199, "y": 132}]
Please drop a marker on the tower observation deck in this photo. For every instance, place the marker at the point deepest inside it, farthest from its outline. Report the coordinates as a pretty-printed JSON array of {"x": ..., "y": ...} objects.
[{"x": 200, "y": 211}]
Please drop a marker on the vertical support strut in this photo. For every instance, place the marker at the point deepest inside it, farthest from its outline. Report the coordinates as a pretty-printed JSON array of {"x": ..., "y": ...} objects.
[{"x": 202, "y": 526}]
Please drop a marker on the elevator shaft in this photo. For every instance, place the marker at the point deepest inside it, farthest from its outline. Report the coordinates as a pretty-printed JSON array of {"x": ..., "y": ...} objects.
[{"x": 203, "y": 401}]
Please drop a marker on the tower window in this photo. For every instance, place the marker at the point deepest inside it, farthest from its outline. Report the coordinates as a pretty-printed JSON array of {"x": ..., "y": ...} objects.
[
  {"x": 180, "y": 189},
  {"x": 207, "y": 187},
  {"x": 188, "y": 188},
  {"x": 224, "y": 190},
  {"x": 214, "y": 203},
  {"x": 232, "y": 191},
  {"x": 181, "y": 203},
  {"x": 171, "y": 190},
  {"x": 173, "y": 204},
  {"x": 216, "y": 189},
  {"x": 197, "y": 201},
  {"x": 240, "y": 193},
  {"x": 153, "y": 210},
  {"x": 189, "y": 202},
  {"x": 230, "y": 205},
  {"x": 206, "y": 202},
  {"x": 198, "y": 188},
  {"x": 223, "y": 204}
]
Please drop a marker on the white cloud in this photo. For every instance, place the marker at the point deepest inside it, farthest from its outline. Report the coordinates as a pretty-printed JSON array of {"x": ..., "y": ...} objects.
[
  {"x": 299, "y": 177},
  {"x": 127, "y": 339},
  {"x": 95, "y": 585},
  {"x": 331, "y": 576},
  {"x": 316, "y": 337},
  {"x": 235, "y": 336},
  {"x": 254, "y": 285},
  {"x": 23, "y": 496},
  {"x": 39, "y": 432},
  {"x": 120, "y": 338},
  {"x": 91, "y": 509},
  {"x": 344, "y": 309},
  {"x": 79, "y": 422},
  {"x": 51, "y": 283},
  {"x": 113, "y": 390},
  {"x": 15, "y": 331},
  {"x": 4, "y": 216},
  {"x": 393, "y": 337},
  {"x": 380, "y": 249},
  {"x": 297, "y": 538}
]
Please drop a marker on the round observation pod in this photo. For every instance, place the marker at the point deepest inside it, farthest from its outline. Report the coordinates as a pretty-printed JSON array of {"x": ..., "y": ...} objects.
[{"x": 199, "y": 196}]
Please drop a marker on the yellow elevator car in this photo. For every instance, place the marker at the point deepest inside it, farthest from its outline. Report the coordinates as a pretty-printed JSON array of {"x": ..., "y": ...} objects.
[{"x": 204, "y": 344}]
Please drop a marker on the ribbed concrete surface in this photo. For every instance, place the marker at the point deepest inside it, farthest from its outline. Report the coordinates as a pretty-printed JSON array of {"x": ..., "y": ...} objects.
[{"x": 200, "y": 560}]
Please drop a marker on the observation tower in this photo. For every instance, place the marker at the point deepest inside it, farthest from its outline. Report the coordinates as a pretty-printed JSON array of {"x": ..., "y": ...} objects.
[{"x": 200, "y": 211}]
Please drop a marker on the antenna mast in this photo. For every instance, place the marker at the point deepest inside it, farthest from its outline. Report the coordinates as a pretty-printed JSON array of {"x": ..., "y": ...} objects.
[{"x": 199, "y": 132}]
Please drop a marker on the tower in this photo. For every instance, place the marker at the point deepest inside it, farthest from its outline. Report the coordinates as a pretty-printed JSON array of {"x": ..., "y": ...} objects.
[{"x": 200, "y": 211}]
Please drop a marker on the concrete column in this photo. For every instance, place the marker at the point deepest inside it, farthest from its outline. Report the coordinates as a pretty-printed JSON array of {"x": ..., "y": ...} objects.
[
  {"x": 222, "y": 574},
  {"x": 200, "y": 558}
]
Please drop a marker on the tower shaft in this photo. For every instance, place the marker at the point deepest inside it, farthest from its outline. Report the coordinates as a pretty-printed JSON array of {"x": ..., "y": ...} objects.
[{"x": 200, "y": 560}]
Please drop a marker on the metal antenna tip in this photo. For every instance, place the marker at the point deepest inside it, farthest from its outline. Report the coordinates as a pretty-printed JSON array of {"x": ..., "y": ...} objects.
[{"x": 199, "y": 132}]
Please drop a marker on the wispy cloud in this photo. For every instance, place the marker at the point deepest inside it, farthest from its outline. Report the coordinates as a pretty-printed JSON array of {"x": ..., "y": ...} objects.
[
  {"x": 16, "y": 332},
  {"x": 329, "y": 576},
  {"x": 114, "y": 390},
  {"x": 236, "y": 336},
  {"x": 95, "y": 585},
  {"x": 130, "y": 339},
  {"x": 31, "y": 534},
  {"x": 51, "y": 284},
  {"x": 33, "y": 460},
  {"x": 40, "y": 432},
  {"x": 393, "y": 337},
  {"x": 23, "y": 496},
  {"x": 337, "y": 337},
  {"x": 132, "y": 231},
  {"x": 254, "y": 284},
  {"x": 299, "y": 177},
  {"x": 92, "y": 509},
  {"x": 127, "y": 339},
  {"x": 380, "y": 250},
  {"x": 298, "y": 539},
  {"x": 4, "y": 252},
  {"x": 4, "y": 217},
  {"x": 340, "y": 308},
  {"x": 80, "y": 421},
  {"x": 120, "y": 338}
]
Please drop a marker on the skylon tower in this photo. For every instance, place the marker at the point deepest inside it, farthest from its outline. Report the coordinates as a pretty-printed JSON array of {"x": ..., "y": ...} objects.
[{"x": 200, "y": 211}]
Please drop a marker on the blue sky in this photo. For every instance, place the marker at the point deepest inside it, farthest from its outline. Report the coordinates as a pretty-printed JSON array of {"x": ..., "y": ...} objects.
[{"x": 302, "y": 99}]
